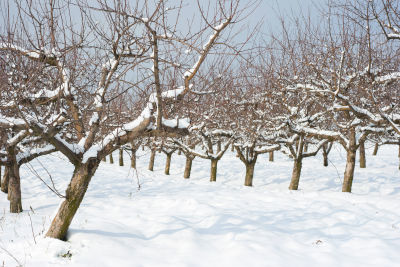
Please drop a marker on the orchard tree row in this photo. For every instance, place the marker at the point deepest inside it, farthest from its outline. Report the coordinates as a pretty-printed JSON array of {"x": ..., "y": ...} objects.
[{"x": 86, "y": 78}]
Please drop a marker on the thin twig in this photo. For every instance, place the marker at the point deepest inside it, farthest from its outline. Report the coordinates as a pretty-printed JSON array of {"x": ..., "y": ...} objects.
[
  {"x": 33, "y": 233},
  {"x": 12, "y": 256},
  {"x": 32, "y": 170}
]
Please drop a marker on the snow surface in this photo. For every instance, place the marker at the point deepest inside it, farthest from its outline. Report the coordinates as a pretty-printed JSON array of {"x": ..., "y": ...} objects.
[{"x": 171, "y": 221}]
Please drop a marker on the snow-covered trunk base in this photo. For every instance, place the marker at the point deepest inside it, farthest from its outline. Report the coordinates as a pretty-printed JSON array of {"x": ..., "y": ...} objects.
[
  {"x": 74, "y": 195},
  {"x": 294, "y": 183},
  {"x": 168, "y": 163},
  {"x": 14, "y": 188},
  {"x": 375, "y": 149},
  {"x": 248, "y": 181},
  {"x": 213, "y": 175},
  {"x": 4, "y": 183},
  {"x": 152, "y": 157},
  {"x": 188, "y": 167},
  {"x": 349, "y": 171},
  {"x": 121, "y": 157},
  {"x": 111, "y": 159},
  {"x": 363, "y": 163},
  {"x": 133, "y": 158},
  {"x": 271, "y": 156}
]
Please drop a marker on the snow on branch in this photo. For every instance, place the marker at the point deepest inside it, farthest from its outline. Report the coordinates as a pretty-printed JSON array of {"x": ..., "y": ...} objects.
[
  {"x": 42, "y": 56},
  {"x": 206, "y": 48},
  {"x": 143, "y": 123},
  {"x": 9, "y": 122},
  {"x": 30, "y": 154}
]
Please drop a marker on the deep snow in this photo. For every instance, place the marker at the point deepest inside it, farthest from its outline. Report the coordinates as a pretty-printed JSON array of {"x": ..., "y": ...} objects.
[{"x": 170, "y": 221}]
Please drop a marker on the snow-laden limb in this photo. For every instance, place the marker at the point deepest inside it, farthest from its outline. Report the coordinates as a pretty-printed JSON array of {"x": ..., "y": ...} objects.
[
  {"x": 9, "y": 122},
  {"x": 322, "y": 134},
  {"x": 29, "y": 53},
  {"x": 267, "y": 148},
  {"x": 206, "y": 137},
  {"x": 108, "y": 69},
  {"x": 17, "y": 138},
  {"x": 188, "y": 75},
  {"x": 176, "y": 123},
  {"x": 143, "y": 123},
  {"x": 388, "y": 77},
  {"x": 28, "y": 154},
  {"x": 393, "y": 36}
]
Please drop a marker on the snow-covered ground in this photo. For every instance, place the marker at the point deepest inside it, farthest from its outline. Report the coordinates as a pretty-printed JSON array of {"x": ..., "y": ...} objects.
[{"x": 170, "y": 221}]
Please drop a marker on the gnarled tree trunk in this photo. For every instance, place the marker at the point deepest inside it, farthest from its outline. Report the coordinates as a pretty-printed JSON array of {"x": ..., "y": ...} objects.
[
  {"x": 152, "y": 157},
  {"x": 271, "y": 156},
  {"x": 376, "y": 147},
  {"x": 349, "y": 171},
  {"x": 4, "y": 184},
  {"x": 350, "y": 163},
  {"x": 326, "y": 149},
  {"x": 121, "y": 157},
  {"x": 188, "y": 167},
  {"x": 294, "y": 183},
  {"x": 74, "y": 195},
  {"x": 248, "y": 181},
  {"x": 363, "y": 163},
  {"x": 219, "y": 146},
  {"x": 111, "y": 159},
  {"x": 133, "y": 157},
  {"x": 168, "y": 163},
  {"x": 14, "y": 188},
  {"x": 213, "y": 175}
]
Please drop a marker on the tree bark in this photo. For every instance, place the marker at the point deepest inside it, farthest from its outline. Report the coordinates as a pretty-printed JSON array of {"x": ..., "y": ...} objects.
[
  {"x": 168, "y": 163},
  {"x": 111, "y": 159},
  {"x": 213, "y": 176},
  {"x": 179, "y": 152},
  {"x": 121, "y": 157},
  {"x": 376, "y": 147},
  {"x": 4, "y": 184},
  {"x": 325, "y": 155},
  {"x": 74, "y": 195},
  {"x": 219, "y": 146},
  {"x": 14, "y": 188},
  {"x": 399, "y": 151},
  {"x": 0, "y": 175},
  {"x": 271, "y": 156},
  {"x": 349, "y": 172},
  {"x": 188, "y": 167},
  {"x": 104, "y": 159},
  {"x": 363, "y": 163},
  {"x": 249, "y": 173},
  {"x": 133, "y": 158},
  {"x": 151, "y": 162},
  {"x": 294, "y": 183},
  {"x": 325, "y": 159}
]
